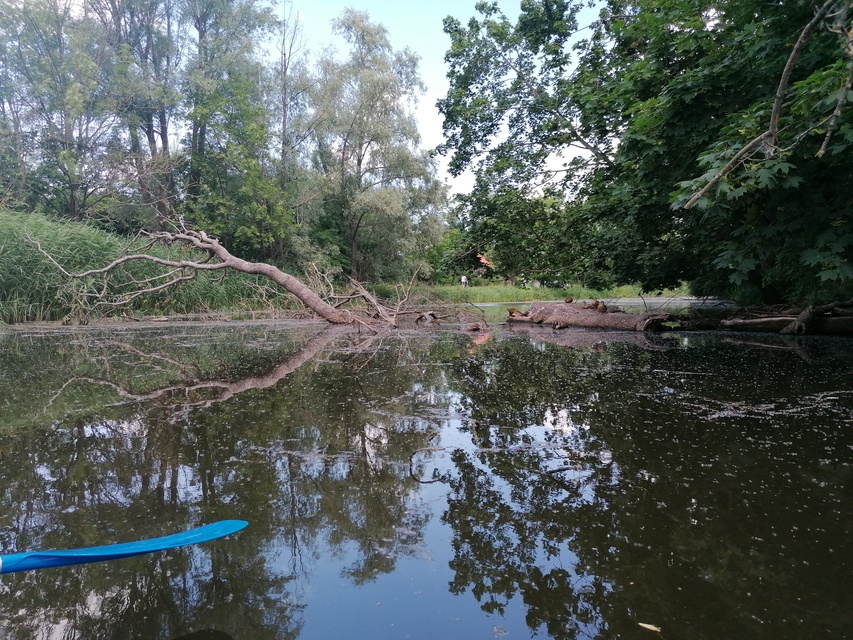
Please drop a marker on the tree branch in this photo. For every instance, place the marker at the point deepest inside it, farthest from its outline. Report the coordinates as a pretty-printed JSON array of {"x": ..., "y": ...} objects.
[
  {"x": 768, "y": 137},
  {"x": 225, "y": 260},
  {"x": 836, "y": 113},
  {"x": 785, "y": 80},
  {"x": 726, "y": 170}
]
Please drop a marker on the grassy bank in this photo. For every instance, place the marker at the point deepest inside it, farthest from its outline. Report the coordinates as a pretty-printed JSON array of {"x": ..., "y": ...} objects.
[
  {"x": 504, "y": 293},
  {"x": 34, "y": 289}
]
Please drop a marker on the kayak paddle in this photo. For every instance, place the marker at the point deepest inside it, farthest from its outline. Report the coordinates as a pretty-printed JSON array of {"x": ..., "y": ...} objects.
[{"x": 43, "y": 559}]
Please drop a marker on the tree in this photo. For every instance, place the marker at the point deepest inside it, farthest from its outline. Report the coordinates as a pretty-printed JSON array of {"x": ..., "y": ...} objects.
[
  {"x": 654, "y": 93},
  {"x": 292, "y": 128},
  {"x": 57, "y": 101},
  {"x": 231, "y": 182},
  {"x": 378, "y": 181},
  {"x": 277, "y": 163},
  {"x": 149, "y": 36}
]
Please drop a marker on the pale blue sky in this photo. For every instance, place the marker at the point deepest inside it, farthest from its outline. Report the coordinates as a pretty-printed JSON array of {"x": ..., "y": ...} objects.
[{"x": 417, "y": 25}]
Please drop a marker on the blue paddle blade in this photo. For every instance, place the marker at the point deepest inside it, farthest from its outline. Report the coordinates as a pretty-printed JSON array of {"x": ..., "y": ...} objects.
[{"x": 44, "y": 559}]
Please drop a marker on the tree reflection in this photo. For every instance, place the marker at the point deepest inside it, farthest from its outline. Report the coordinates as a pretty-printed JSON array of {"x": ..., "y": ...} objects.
[
  {"x": 684, "y": 484},
  {"x": 307, "y": 439},
  {"x": 609, "y": 486}
]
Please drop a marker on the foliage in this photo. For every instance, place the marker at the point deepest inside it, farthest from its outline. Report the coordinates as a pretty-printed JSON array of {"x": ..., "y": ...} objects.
[
  {"x": 32, "y": 288},
  {"x": 631, "y": 115},
  {"x": 380, "y": 188},
  {"x": 152, "y": 114}
]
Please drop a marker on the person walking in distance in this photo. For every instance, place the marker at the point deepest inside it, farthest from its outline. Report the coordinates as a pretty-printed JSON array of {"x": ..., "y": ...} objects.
[{"x": 463, "y": 281}]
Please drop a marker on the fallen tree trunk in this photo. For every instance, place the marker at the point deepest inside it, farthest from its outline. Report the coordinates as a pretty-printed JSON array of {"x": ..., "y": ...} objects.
[
  {"x": 774, "y": 324},
  {"x": 591, "y": 316},
  {"x": 815, "y": 317},
  {"x": 827, "y": 326},
  {"x": 217, "y": 258},
  {"x": 827, "y": 319}
]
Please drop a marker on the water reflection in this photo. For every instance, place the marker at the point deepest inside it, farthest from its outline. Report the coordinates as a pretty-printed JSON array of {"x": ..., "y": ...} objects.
[
  {"x": 699, "y": 488},
  {"x": 313, "y": 454},
  {"x": 572, "y": 490}
]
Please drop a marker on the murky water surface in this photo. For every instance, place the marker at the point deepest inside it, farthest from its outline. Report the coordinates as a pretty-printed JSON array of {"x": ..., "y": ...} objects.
[{"x": 429, "y": 485}]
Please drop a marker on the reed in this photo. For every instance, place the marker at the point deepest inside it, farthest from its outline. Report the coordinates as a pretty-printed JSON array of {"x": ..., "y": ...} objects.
[{"x": 32, "y": 288}]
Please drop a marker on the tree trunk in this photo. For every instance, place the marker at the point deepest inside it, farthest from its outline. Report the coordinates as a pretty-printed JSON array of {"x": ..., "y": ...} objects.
[
  {"x": 828, "y": 326},
  {"x": 226, "y": 260},
  {"x": 560, "y": 316},
  {"x": 290, "y": 283},
  {"x": 832, "y": 319}
]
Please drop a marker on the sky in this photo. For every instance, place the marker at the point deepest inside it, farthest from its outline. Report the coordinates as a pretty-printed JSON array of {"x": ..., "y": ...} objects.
[{"x": 417, "y": 25}]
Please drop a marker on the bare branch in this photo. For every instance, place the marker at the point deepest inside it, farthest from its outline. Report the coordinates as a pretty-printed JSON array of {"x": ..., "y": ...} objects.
[
  {"x": 380, "y": 309},
  {"x": 125, "y": 299},
  {"x": 217, "y": 258},
  {"x": 785, "y": 80},
  {"x": 836, "y": 113},
  {"x": 403, "y": 299}
]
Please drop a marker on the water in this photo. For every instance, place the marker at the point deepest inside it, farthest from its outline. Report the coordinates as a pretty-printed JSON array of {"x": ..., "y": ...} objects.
[{"x": 429, "y": 485}]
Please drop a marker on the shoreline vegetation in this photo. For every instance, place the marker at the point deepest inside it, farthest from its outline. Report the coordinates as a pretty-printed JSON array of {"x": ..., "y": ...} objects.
[
  {"x": 33, "y": 289},
  {"x": 38, "y": 256}
]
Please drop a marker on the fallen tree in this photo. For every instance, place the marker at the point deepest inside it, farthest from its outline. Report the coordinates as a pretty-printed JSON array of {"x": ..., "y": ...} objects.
[
  {"x": 830, "y": 319},
  {"x": 210, "y": 256},
  {"x": 215, "y": 257},
  {"x": 593, "y": 315}
]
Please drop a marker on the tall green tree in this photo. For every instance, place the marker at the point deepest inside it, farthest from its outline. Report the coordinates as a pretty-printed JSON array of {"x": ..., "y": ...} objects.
[
  {"x": 367, "y": 146},
  {"x": 171, "y": 114},
  {"x": 58, "y": 75},
  {"x": 634, "y": 112},
  {"x": 149, "y": 36},
  {"x": 292, "y": 130},
  {"x": 230, "y": 183}
]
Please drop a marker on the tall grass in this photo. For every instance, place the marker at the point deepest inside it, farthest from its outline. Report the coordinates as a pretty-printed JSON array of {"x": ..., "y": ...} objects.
[
  {"x": 504, "y": 293},
  {"x": 32, "y": 288}
]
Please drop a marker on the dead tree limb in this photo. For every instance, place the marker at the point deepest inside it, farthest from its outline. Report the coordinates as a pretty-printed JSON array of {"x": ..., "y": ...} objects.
[
  {"x": 839, "y": 105},
  {"x": 726, "y": 170},
  {"x": 217, "y": 258},
  {"x": 810, "y": 316},
  {"x": 785, "y": 80},
  {"x": 381, "y": 310},
  {"x": 830, "y": 319},
  {"x": 561, "y": 316}
]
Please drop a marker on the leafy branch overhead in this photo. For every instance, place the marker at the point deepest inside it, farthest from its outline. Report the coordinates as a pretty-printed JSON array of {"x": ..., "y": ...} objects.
[
  {"x": 706, "y": 142},
  {"x": 767, "y": 141}
]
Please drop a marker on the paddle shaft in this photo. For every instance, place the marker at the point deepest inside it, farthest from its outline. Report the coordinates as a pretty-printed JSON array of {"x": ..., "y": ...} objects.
[{"x": 30, "y": 560}]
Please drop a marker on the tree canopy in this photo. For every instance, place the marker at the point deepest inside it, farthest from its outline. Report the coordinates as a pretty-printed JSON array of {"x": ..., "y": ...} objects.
[
  {"x": 664, "y": 141},
  {"x": 614, "y": 141},
  {"x": 167, "y": 115}
]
